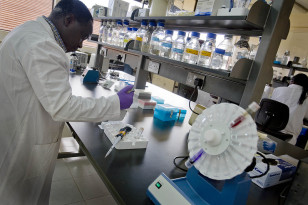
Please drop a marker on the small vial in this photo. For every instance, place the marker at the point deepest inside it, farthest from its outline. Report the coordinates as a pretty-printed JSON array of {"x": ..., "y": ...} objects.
[
  {"x": 217, "y": 59},
  {"x": 191, "y": 53},
  {"x": 252, "y": 108},
  {"x": 166, "y": 45},
  {"x": 178, "y": 47}
]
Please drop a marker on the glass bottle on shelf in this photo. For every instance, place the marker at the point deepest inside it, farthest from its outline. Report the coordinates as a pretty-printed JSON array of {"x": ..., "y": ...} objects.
[
  {"x": 178, "y": 47},
  {"x": 157, "y": 36},
  {"x": 101, "y": 32},
  {"x": 127, "y": 36},
  {"x": 227, "y": 45},
  {"x": 241, "y": 49},
  {"x": 166, "y": 45},
  {"x": 207, "y": 50},
  {"x": 147, "y": 37},
  {"x": 217, "y": 59},
  {"x": 285, "y": 58},
  {"x": 192, "y": 48},
  {"x": 110, "y": 31},
  {"x": 105, "y": 32},
  {"x": 139, "y": 35},
  {"x": 122, "y": 33},
  {"x": 115, "y": 33}
]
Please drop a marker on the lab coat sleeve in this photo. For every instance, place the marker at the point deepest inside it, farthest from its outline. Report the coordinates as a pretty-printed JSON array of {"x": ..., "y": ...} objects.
[{"x": 46, "y": 67}]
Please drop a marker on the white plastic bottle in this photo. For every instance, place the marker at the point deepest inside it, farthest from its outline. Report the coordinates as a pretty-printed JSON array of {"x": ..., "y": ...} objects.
[
  {"x": 147, "y": 37},
  {"x": 101, "y": 32},
  {"x": 178, "y": 47},
  {"x": 241, "y": 49},
  {"x": 116, "y": 32},
  {"x": 207, "y": 49},
  {"x": 227, "y": 45},
  {"x": 157, "y": 36},
  {"x": 192, "y": 48},
  {"x": 217, "y": 59},
  {"x": 122, "y": 33},
  {"x": 110, "y": 31},
  {"x": 166, "y": 45},
  {"x": 139, "y": 35},
  {"x": 127, "y": 36}
]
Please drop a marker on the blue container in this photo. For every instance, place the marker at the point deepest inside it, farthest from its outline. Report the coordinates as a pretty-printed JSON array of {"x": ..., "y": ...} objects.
[
  {"x": 181, "y": 114},
  {"x": 158, "y": 99},
  {"x": 166, "y": 112}
]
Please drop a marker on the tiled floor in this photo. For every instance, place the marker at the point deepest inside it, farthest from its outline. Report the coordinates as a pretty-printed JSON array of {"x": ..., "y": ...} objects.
[{"x": 75, "y": 181}]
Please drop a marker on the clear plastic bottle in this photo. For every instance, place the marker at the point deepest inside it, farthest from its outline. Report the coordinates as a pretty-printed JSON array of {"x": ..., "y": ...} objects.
[
  {"x": 227, "y": 45},
  {"x": 178, "y": 47},
  {"x": 139, "y": 35},
  {"x": 110, "y": 31},
  {"x": 116, "y": 32},
  {"x": 285, "y": 58},
  {"x": 241, "y": 49},
  {"x": 101, "y": 32},
  {"x": 122, "y": 33},
  {"x": 217, "y": 59},
  {"x": 192, "y": 48},
  {"x": 166, "y": 45},
  {"x": 157, "y": 36},
  {"x": 207, "y": 49},
  {"x": 127, "y": 36},
  {"x": 105, "y": 32},
  {"x": 133, "y": 33},
  {"x": 147, "y": 37}
]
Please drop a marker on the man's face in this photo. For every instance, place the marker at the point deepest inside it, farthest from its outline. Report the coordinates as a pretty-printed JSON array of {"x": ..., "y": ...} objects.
[{"x": 75, "y": 33}]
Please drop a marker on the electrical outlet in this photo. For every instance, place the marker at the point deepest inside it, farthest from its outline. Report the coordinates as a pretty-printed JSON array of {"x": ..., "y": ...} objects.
[
  {"x": 121, "y": 57},
  {"x": 191, "y": 78},
  {"x": 153, "y": 67}
]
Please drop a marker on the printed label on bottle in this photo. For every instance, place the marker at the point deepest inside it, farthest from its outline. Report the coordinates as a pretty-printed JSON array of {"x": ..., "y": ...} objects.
[
  {"x": 192, "y": 51},
  {"x": 177, "y": 50},
  {"x": 138, "y": 38},
  {"x": 167, "y": 45},
  {"x": 155, "y": 39},
  {"x": 206, "y": 53}
]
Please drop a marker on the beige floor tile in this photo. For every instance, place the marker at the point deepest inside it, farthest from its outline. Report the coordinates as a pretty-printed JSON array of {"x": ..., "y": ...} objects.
[
  {"x": 61, "y": 171},
  {"x": 79, "y": 166}
]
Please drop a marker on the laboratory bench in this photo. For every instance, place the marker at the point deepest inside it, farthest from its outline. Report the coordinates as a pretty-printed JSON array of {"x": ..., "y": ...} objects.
[{"x": 128, "y": 173}]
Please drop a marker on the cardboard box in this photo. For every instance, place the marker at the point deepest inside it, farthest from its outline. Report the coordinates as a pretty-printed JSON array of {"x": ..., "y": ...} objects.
[{"x": 279, "y": 172}]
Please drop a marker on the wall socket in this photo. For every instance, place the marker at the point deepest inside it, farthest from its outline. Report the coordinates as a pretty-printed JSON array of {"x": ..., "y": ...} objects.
[
  {"x": 191, "y": 79},
  {"x": 121, "y": 57}
]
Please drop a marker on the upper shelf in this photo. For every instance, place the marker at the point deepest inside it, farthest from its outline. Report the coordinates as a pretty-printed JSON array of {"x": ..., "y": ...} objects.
[
  {"x": 292, "y": 67},
  {"x": 251, "y": 25}
]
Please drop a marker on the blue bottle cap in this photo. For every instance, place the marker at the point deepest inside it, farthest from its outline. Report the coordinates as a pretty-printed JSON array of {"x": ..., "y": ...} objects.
[
  {"x": 135, "y": 29},
  {"x": 211, "y": 35},
  {"x": 129, "y": 29},
  {"x": 181, "y": 33},
  {"x": 195, "y": 34},
  {"x": 119, "y": 22},
  {"x": 169, "y": 32},
  {"x": 161, "y": 24},
  {"x": 220, "y": 51},
  {"x": 188, "y": 39},
  {"x": 126, "y": 22},
  {"x": 144, "y": 23},
  {"x": 152, "y": 23}
]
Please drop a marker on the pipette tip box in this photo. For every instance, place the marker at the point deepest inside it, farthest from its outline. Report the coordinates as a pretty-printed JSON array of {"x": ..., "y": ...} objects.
[
  {"x": 158, "y": 99},
  {"x": 146, "y": 104},
  {"x": 166, "y": 112}
]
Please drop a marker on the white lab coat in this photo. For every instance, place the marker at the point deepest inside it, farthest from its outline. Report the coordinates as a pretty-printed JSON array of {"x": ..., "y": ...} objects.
[
  {"x": 290, "y": 96},
  {"x": 36, "y": 99}
]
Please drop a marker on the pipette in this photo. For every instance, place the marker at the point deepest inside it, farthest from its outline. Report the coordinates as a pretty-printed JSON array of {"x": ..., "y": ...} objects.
[
  {"x": 252, "y": 108},
  {"x": 122, "y": 133}
]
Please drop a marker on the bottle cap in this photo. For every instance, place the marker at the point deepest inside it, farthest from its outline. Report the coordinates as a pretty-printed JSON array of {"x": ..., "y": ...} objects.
[
  {"x": 220, "y": 51},
  {"x": 181, "y": 33},
  {"x": 119, "y": 22},
  {"x": 144, "y": 23},
  {"x": 152, "y": 23},
  {"x": 169, "y": 32},
  {"x": 126, "y": 22},
  {"x": 195, "y": 34},
  {"x": 161, "y": 24},
  {"x": 129, "y": 29},
  {"x": 211, "y": 35},
  {"x": 135, "y": 29}
]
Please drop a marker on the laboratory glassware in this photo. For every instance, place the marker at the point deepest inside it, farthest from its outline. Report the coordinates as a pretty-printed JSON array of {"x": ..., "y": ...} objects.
[
  {"x": 192, "y": 48},
  {"x": 207, "y": 50}
]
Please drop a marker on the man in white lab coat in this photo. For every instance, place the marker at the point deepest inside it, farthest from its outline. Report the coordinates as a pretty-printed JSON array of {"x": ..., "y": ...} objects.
[
  {"x": 294, "y": 96},
  {"x": 36, "y": 100}
]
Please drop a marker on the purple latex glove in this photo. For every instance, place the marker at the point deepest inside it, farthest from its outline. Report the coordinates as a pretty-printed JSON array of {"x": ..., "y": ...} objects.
[{"x": 126, "y": 99}]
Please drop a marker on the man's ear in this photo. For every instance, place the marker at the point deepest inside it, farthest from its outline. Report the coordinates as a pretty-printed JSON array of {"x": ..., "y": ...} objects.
[{"x": 69, "y": 19}]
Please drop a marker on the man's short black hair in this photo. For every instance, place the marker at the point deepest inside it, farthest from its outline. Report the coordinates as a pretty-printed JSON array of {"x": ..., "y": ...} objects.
[{"x": 75, "y": 7}]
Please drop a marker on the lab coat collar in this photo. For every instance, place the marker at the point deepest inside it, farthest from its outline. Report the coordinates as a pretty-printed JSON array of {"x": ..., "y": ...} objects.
[{"x": 294, "y": 86}]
